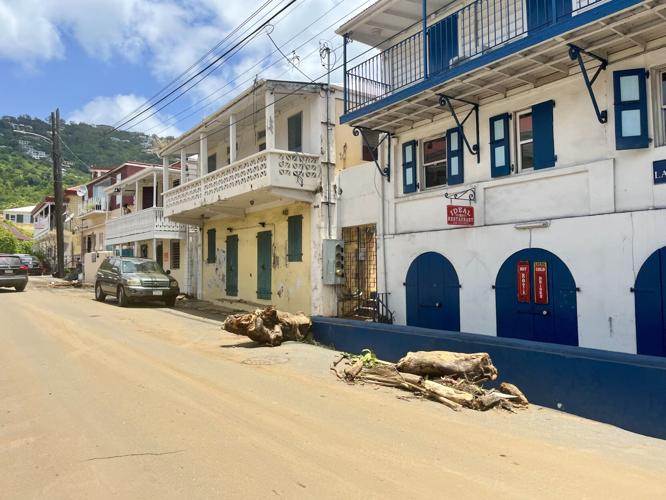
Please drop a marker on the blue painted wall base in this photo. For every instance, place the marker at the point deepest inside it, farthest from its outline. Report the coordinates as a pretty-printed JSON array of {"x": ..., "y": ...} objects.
[{"x": 626, "y": 390}]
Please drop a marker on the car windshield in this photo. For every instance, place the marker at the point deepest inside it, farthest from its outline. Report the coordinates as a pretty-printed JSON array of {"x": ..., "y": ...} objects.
[
  {"x": 10, "y": 261},
  {"x": 142, "y": 267}
]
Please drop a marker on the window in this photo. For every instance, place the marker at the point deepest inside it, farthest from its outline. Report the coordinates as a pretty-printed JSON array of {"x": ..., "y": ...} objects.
[
  {"x": 500, "y": 156},
  {"x": 295, "y": 238},
  {"x": 409, "y": 167},
  {"x": 19, "y": 218},
  {"x": 262, "y": 146},
  {"x": 370, "y": 144},
  {"x": 176, "y": 182},
  {"x": 211, "y": 246},
  {"x": 434, "y": 162},
  {"x": 175, "y": 255},
  {"x": 212, "y": 163},
  {"x": 525, "y": 140},
  {"x": 630, "y": 109},
  {"x": 295, "y": 133}
]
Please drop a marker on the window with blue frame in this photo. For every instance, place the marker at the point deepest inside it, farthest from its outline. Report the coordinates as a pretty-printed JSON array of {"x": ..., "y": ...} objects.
[
  {"x": 434, "y": 162},
  {"x": 631, "y": 122},
  {"x": 409, "y": 167},
  {"x": 500, "y": 151},
  {"x": 455, "y": 156}
]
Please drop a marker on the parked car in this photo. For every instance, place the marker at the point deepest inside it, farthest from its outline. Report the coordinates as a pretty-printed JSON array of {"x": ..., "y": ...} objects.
[
  {"x": 131, "y": 279},
  {"x": 34, "y": 265},
  {"x": 13, "y": 273}
]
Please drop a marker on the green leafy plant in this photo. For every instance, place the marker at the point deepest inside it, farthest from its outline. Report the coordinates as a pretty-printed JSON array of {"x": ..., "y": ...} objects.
[{"x": 368, "y": 357}]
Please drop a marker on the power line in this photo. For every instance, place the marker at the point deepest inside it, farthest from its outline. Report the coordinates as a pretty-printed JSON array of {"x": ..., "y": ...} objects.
[
  {"x": 194, "y": 64},
  {"x": 171, "y": 121},
  {"x": 208, "y": 66}
]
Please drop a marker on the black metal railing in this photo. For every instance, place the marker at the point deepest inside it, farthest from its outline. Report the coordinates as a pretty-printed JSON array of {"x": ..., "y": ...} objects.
[
  {"x": 382, "y": 312},
  {"x": 475, "y": 29}
]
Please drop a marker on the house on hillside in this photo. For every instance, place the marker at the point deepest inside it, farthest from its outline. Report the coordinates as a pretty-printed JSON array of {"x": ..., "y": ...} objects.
[
  {"x": 526, "y": 148},
  {"x": 21, "y": 216},
  {"x": 260, "y": 196}
]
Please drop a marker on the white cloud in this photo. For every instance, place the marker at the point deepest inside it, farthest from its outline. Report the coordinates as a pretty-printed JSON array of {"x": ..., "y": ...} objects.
[{"x": 109, "y": 110}]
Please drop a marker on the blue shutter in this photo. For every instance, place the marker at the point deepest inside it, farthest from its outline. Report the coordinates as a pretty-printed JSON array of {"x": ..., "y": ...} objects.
[
  {"x": 295, "y": 238},
  {"x": 500, "y": 154},
  {"x": 409, "y": 167},
  {"x": 442, "y": 44},
  {"x": 455, "y": 156},
  {"x": 631, "y": 122},
  {"x": 542, "y": 127},
  {"x": 211, "y": 246},
  {"x": 264, "y": 264},
  {"x": 232, "y": 265}
]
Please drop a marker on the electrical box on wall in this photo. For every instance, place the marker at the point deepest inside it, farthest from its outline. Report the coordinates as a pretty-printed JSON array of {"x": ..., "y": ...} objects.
[{"x": 334, "y": 262}]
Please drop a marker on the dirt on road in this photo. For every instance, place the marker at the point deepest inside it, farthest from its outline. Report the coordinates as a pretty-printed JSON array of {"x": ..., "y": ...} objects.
[{"x": 146, "y": 402}]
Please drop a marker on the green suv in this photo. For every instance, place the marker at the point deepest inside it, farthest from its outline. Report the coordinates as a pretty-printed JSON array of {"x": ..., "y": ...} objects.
[{"x": 131, "y": 279}]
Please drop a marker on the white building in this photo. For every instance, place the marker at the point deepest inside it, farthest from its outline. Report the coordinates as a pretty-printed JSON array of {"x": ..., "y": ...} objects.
[
  {"x": 493, "y": 106},
  {"x": 19, "y": 215}
]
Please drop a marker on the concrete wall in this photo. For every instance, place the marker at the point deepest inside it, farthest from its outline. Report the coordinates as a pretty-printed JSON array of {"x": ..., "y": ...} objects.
[
  {"x": 91, "y": 263},
  {"x": 290, "y": 283}
]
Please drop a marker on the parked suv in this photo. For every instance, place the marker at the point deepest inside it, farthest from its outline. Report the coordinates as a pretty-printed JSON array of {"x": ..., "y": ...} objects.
[
  {"x": 131, "y": 279},
  {"x": 13, "y": 273},
  {"x": 33, "y": 263}
]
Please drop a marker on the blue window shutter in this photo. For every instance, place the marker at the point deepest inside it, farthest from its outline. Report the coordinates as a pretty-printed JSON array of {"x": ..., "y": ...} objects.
[
  {"x": 500, "y": 153},
  {"x": 631, "y": 122},
  {"x": 542, "y": 127},
  {"x": 232, "y": 265},
  {"x": 211, "y": 246},
  {"x": 455, "y": 156},
  {"x": 295, "y": 238},
  {"x": 409, "y": 167}
]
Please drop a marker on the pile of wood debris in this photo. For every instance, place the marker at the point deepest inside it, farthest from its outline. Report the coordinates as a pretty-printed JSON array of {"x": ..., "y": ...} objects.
[
  {"x": 451, "y": 378},
  {"x": 269, "y": 326},
  {"x": 68, "y": 284}
]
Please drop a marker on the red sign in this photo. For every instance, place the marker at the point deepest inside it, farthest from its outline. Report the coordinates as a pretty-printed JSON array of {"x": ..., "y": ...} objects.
[
  {"x": 523, "y": 282},
  {"x": 541, "y": 283},
  {"x": 460, "y": 215}
]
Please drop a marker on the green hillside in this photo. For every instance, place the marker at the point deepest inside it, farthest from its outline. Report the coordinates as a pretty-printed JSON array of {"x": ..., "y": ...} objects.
[{"x": 25, "y": 180}]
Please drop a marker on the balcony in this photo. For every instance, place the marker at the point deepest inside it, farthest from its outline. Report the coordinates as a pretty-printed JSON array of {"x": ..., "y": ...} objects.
[
  {"x": 41, "y": 229},
  {"x": 262, "y": 178},
  {"x": 142, "y": 225},
  {"x": 93, "y": 205},
  {"x": 486, "y": 49}
]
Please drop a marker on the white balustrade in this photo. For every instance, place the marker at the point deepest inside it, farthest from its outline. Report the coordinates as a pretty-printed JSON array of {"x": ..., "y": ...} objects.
[
  {"x": 279, "y": 169},
  {"x": 143, "y": 224},
  {"x": 96, "y": 204}
]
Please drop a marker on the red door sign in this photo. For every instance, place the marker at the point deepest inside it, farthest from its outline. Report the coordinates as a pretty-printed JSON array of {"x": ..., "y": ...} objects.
[
  {"x": 460, "y": 215},
  {"x": 523, "y": 281},
  {"x": 541, "y": 282}
]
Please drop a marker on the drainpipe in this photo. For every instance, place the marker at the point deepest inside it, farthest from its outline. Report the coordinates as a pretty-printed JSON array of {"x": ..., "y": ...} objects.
[
  {"x": 345, "y": 41},
  {"x": 328, "y": 140},
  {"x": 424, "y": 13}
]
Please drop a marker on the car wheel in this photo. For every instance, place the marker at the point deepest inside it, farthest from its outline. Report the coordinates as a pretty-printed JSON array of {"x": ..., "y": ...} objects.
[
  {"x": 20, "y": 288},
  {"x": 123, "y": 300},
  {"x": 99, "y": 294},
  {"x": 171, "y": 301}
]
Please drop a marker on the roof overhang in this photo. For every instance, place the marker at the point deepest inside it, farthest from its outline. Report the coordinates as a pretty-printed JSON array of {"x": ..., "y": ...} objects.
[{"x": 524, "y": 64}]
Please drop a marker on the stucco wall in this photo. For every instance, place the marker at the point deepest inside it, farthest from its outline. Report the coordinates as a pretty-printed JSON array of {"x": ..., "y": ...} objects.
[{"x": 290, "y": 281}]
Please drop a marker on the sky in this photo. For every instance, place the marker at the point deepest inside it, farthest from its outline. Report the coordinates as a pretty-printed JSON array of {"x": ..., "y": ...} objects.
[{"x": 99, "y": 60}]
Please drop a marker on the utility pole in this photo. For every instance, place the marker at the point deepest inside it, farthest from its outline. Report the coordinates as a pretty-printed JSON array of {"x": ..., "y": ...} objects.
[{"x": 58, "y": 193}]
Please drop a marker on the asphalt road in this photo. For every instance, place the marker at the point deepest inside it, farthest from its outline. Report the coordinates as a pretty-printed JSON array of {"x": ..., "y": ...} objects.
[{"x": 102, "y": 402}]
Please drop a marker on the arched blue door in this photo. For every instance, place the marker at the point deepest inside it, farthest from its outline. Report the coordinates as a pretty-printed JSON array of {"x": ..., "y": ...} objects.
[
  {"x": 433, "y": 293},
  {"x": 535, "y": 298},
  {"x": 650, "y": 300}
]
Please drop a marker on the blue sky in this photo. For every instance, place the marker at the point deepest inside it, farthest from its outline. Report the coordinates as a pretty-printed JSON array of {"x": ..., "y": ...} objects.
[{"x": 100, "y": 59}]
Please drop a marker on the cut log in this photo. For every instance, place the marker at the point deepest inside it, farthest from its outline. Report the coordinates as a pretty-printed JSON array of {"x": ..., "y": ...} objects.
[
  {"x": 351, "y": 372},
  {"x": 449, "y": 393},
  {"x": 507, "y": 388},
  {"x": 473, "y": 367},
  {"x": 268, "y": 326},
  {"x": 294, "y": 326}
]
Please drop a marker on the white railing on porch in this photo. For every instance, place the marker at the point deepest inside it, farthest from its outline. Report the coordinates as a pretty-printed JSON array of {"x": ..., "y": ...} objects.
[
  {"x": 147, "y": 223},
  {"x": 274, "y": 168}
]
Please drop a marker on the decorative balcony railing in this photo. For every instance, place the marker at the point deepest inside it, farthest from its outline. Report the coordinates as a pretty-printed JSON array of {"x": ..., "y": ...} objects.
[
  {"x": 97, "y": 204},
  {"x": 145, "y": 224},
  {"x": 267, "y": 169},
  {"x": 474, "y": 30}
]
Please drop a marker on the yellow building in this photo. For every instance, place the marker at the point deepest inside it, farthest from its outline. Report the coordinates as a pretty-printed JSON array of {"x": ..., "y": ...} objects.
[{"x": 259, "y": 195}]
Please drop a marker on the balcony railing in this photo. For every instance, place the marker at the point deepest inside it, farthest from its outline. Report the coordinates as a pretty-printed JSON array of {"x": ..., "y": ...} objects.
[
  {"x": 97, "y": 204},
  {"x": 474, "y": 30},
  {"x": 40, "y": 229},
  {"x": 267, "y": 169},
  {"x": 144, "y": 224}
]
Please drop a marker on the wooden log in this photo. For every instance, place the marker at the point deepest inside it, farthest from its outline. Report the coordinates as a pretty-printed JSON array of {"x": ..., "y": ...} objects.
[
  {"x": 351, "y": 372},
  {"x": 474, "y": 367},
  {"x": 449, "y": 393},
  {"x": 294, "y": 326},
  {"x": 520, "y": 400}
]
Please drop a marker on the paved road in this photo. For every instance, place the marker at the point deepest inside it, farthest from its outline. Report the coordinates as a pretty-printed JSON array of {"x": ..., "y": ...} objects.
[{"x": 102, "y": 402}]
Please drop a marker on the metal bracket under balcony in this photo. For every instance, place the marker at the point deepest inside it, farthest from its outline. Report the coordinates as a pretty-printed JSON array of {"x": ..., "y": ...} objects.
[
  {"x": 576, "y": 54},
  {"x": 374, "y": 150},
  {"x": 445, "y": 100}
]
